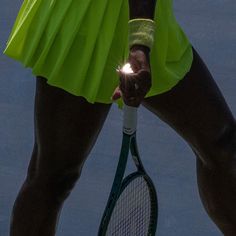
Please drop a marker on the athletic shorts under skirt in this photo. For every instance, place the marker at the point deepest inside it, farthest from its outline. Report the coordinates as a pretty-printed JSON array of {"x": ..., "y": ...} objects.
[{"x": 78, "y": 44}]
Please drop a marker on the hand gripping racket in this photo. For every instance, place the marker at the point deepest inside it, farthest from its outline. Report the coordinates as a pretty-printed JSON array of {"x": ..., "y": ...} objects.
[{"x": 132, "y": 207}]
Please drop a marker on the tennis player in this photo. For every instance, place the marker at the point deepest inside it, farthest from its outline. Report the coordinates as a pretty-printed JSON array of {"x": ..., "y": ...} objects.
[{"x": 73, "y": 48}]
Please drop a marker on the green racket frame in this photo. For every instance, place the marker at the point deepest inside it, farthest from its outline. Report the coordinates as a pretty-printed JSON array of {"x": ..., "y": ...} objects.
[{"x": 129, "y": 144}]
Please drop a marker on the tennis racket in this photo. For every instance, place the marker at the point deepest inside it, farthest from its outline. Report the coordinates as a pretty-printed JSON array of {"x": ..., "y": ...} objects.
[{"x": 132, "y": 207}]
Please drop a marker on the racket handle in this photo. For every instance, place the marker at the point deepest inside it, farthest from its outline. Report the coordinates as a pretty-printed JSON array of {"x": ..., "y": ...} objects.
[{"x": 129, "y": 119}]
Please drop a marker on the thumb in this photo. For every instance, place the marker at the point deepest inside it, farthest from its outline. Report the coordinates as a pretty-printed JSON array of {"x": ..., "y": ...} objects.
[{"x": 116, "y": 94}]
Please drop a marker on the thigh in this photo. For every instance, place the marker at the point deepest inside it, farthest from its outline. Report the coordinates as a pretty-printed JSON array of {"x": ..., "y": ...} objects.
[
  {"x": 196, "y": 109},
  {"x": 66, "y": 128}
]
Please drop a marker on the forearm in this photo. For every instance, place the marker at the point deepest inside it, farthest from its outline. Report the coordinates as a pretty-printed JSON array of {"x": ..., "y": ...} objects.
[
  {"x": 141, "y": 28},
  {"x": 142, "y": 9}
]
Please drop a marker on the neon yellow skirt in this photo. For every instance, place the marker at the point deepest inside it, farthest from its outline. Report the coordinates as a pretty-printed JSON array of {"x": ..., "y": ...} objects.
[{"x": 77, "y": 44}]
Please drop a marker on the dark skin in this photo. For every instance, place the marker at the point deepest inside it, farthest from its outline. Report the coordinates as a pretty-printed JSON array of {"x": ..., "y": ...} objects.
[
  {"x": 197, "y": 111},
  {"x": 139, "y": 60},
  {"x": 216, "y": 169},
  {"x": 195, "y": 108}
]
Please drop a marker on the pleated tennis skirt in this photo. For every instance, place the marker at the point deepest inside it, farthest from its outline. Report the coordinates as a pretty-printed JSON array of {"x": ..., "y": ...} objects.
[{"x": 77, "y": 45}]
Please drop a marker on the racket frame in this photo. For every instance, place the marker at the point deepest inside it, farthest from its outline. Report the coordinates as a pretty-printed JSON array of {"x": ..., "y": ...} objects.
[{"x": 129, "y": 145}]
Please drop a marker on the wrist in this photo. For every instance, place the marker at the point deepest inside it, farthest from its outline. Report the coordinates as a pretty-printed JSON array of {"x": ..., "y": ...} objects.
[
  {"x": 140, "y": 47},
  {"x": 141, "y": 32},
  {"x": 144, "y": 49}
]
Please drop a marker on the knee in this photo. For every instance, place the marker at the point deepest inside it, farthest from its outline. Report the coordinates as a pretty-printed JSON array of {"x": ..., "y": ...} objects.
[
  {"x": 223, "y": 151},
  {"x": 56, "y": 185},
  {"x": 226, "y": 146},
  {"x": 63, "y": 183}
]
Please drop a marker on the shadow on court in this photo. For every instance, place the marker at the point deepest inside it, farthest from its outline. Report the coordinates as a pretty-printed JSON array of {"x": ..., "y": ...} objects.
[{"x": 210, "y": 26}]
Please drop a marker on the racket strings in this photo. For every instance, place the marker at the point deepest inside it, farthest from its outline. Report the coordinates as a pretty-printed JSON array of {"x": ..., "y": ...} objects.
[{"x": 132, "y": 213}]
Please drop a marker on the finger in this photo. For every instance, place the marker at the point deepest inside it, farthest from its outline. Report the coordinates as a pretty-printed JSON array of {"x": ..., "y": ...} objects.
[
  {"x": 127, "y": 83},
  {"x": 132, "y": 101},
  {"x": 116, "y": 94},
  {"x": 144, "y": 81},
  {"x": 135, "y": 85},
  {"x": 120, "y": 72}
]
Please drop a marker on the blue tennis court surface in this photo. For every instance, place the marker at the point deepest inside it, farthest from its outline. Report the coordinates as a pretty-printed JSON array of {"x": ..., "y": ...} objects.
[{"x": 211, "y": 27}]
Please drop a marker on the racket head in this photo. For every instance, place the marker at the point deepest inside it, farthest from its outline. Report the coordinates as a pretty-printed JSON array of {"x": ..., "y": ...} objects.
[{"x": 136, "y": 209}]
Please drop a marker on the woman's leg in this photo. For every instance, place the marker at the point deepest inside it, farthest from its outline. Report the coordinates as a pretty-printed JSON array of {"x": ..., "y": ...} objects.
[
  {"x": 66, "y": 128},
  {"x": 196, "y": 109}
]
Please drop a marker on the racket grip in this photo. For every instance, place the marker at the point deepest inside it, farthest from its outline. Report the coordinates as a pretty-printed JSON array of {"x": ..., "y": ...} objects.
[{"x": 129, "y": 119}]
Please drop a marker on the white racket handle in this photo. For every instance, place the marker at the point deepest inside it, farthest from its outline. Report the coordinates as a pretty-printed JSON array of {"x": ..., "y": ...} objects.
[{"x": 129, "y": 119}]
